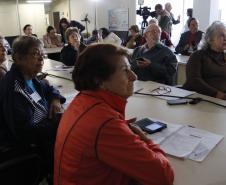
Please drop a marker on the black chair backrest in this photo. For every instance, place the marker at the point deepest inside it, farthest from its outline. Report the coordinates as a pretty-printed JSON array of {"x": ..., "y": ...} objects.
[
  {"x": 10, "y": 39},
  {"x": 19, "y": 166}
]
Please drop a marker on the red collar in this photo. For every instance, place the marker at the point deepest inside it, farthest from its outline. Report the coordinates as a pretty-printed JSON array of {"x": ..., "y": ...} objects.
[{"x": 114, "y": 100}]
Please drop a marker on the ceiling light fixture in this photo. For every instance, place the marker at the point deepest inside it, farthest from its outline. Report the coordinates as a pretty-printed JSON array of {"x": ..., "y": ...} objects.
[{"x": 40, "y": 1}]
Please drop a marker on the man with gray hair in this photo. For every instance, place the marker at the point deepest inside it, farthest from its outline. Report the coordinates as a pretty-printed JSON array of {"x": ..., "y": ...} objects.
[{"x": 154, "y": 61}]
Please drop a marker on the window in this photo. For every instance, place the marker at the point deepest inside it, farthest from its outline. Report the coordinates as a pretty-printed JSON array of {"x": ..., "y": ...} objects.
[
  {"x": 178, "y": 8},
  {"x": 222, "y": 9}
]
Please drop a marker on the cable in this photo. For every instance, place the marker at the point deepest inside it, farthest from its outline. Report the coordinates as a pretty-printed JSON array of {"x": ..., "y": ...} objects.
[
  {"x": 194, "y": 100},
  {"x": 44, "y": 75}
]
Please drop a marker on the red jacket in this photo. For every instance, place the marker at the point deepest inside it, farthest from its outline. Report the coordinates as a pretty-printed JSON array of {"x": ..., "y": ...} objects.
[{"x": 95, "y": 146}]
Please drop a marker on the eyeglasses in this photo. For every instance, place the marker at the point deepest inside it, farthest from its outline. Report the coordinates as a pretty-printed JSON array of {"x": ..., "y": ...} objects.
[
  {"x": 161, "y": 90},
  {"x": 38, "y": 54}
]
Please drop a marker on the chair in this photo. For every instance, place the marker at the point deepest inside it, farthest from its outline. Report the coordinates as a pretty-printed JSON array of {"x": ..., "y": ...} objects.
[
  {"x": 10, "y": 39},
  {"x": 19, "y": 166}
]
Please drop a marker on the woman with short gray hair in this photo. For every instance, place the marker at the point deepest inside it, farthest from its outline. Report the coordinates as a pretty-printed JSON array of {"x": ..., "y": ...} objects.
[{"x": 206, "y": 68}]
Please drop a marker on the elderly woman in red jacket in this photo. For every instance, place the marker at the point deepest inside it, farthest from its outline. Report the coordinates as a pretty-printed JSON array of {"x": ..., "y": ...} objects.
[{"x": 95, "y": 144}]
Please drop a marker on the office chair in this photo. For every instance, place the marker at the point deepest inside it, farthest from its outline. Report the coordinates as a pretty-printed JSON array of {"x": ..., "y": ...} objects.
[{"x": 19, "y": 166}]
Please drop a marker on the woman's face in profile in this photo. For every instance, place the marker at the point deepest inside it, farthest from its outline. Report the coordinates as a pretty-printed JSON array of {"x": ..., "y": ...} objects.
[
  {"x": 2, "y": 52},
  {"x": 31, "y": 64},
  {"x": 121, "y": 82},
  {"x": 218, "y": 42}
]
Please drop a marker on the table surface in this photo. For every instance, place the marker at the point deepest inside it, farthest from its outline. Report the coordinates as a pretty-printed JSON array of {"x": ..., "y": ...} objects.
[
  {"x": 52, "y": 50},
  {"x": 206, "y": 116}
]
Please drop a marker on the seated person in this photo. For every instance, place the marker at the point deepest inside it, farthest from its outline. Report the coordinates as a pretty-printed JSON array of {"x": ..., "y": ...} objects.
[
  {"x": 3, "y": 68},
  {"x": 70, "y": 52},
  {"x": 26, "y": 103},
  {"x": 64, "y": 24},
  {"x": 52, "y": 39},
  {"x": 189, "y": 40},
  {"x": 94, "y": 143},
  {"x": 109, "y": 37},
  {"x": 28, "y": 30},
  {"x": 94, "y": 38},
  {"x": 159, "y": 63},
  {"x": 134, "y": 39},
  {"x": 164, "y": 38},
  {"x": 206, "y": 68},
  {"x": 7, "y": 47}
]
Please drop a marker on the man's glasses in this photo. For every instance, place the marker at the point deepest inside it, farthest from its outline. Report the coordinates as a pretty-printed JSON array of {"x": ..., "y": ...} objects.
[
  {"x": 161, "y": 90},
  {"x": 38, "y": 54}
]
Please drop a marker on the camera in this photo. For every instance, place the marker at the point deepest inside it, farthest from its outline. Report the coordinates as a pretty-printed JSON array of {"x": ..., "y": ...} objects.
[{"x": 145, "y": 13}]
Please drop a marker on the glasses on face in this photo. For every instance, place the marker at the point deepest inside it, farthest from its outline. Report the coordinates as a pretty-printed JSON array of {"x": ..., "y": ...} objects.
[
  {"x": 161, "y": 90},
  {"x": 38, "y": 54}
]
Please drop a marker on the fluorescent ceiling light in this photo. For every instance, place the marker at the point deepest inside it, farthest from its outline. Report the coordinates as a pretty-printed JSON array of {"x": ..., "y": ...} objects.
[{"x": 40, "y": 1}]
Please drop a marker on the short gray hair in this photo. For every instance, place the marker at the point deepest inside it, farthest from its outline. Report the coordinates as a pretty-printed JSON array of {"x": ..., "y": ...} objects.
[
  {"x": 71, "y": 30},
  {"x": 23, "y": 44},
  {"x": 210, "y": 32}
]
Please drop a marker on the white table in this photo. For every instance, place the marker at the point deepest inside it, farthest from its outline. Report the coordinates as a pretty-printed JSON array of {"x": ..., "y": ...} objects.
[{"x": 52, "y": 50}]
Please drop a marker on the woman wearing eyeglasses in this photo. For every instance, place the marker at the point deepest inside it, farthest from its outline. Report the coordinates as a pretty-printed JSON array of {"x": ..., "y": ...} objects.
[
  {"x": 26, "y": 103},
  {"x": 206, "y": 68}
]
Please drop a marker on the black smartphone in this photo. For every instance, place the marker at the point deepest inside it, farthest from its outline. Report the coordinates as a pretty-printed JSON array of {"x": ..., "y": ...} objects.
[
  {"x": 151, "y": 126},
  {"x": 178, "y": 102}
]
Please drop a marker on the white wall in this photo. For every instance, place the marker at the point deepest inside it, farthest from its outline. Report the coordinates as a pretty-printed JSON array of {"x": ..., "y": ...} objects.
[
  {"x": 8, "y": 18},
  {"x": 80, "y": 7},
  {"x": 206, "y": 11},
  {"x": 33, "y": 14},
  {"x": 29, "y": 14},
  {"x": 61, "y": 6}
]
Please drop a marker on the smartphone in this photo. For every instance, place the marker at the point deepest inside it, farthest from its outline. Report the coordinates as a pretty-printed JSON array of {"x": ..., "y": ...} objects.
[
  {"x": 178, "y": 102},
  {"x": 151, "y": 126}
]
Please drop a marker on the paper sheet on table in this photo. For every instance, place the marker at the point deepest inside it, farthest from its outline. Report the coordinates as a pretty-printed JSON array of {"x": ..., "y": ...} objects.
[
  {"x": 185, "y": 141},
  {"x": 208, "y": 142}
]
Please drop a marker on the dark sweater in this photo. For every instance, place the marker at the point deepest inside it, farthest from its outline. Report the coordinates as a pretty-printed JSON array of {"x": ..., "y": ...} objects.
[
  {"x": 69, "y": 54},
  {"x": 206, "y": 72},
  {"x": 163, "y": 64}
]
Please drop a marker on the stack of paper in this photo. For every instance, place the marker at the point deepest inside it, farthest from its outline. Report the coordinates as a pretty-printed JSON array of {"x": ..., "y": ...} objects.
[{"x": 186, "y": 141}]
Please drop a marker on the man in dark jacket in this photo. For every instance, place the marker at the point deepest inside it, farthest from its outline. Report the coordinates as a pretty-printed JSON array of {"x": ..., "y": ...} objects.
[{"x": 159, "y": 63}]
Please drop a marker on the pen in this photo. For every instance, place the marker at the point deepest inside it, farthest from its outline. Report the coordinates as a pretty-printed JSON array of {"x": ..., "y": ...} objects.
[
  {"x": 201, "y": 152},
  {"x": 195, "y": 136},
  {"x": 138, "y": 90},
  {"x": 191, "y": 126}
]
